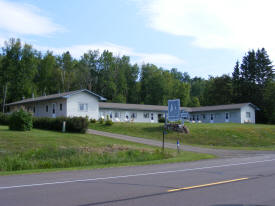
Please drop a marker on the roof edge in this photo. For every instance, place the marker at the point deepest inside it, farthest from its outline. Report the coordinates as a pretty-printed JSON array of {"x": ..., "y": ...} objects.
[{"x": 88, "y": 91}]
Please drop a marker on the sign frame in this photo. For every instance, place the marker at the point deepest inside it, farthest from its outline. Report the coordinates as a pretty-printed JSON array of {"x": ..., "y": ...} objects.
[{"x": 174, "y": 113}]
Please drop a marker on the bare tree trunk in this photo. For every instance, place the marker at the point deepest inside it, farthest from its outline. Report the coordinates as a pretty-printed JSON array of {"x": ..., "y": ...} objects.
[{"x": 5, "y": 88}]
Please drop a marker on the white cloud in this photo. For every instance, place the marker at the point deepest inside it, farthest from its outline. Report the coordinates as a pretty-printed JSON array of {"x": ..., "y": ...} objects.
[
  {"x": 159, "y": 59},
  {"x": 21, "y": 18},
  {"x": 2, "y": 40},
  {"x": 231, "y": 24}
]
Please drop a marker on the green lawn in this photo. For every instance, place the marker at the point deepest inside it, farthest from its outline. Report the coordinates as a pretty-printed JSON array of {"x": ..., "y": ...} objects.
[
  {"x": 230, "y": 135},
  {"x": 41, "y": 150}
]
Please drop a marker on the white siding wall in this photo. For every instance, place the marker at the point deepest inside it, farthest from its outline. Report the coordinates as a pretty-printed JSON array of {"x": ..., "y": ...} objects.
[
  {"x": 122, "y": 115},
  {"x": 218, "y": 116},
  {"x": 40, "y": 108},
  {"x": 73, "y": 105},
  {"x": 244, "y": 118}
]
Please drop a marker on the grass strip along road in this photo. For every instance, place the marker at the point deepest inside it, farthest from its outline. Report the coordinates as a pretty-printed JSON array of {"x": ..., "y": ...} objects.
[
  {"x": 41, "y": 150},
  {"x": 220, "y": 135}
]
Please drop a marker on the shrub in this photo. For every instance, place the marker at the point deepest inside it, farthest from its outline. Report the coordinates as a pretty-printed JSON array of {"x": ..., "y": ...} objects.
[
  {"x": 161, "y": 120},
  {"x": 48, "y": 123},
  {"x": 77, "y": 124},
  {"x": 4, "y": 119},
  {"x": 101, "y": 120},
  {"x": 108, "y": 122},
  {"x": 20, "y": 120},
  {"x": 73, "y": 124},
  {"x": 93, "y": 120}
]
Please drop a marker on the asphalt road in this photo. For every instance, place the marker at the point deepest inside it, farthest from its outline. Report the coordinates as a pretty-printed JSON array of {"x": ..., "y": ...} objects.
[{"x": 217, "y": 182}]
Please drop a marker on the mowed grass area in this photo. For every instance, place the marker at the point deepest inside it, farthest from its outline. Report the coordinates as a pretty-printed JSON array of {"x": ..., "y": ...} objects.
[
  {"x": 222, "y": 135},
  {"x": 41, "y": 150}
]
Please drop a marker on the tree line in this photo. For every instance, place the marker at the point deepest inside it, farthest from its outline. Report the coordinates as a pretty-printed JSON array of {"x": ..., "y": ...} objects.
[{"x": 26, "y": 72}]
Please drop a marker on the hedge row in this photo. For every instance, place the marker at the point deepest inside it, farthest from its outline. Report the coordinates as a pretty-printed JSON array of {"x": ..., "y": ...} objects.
[
  {"x": 73, "y": 124},
  {"x": 18, "y": 120}
]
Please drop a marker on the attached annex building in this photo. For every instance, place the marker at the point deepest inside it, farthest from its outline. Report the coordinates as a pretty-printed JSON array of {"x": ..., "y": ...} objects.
[{"x": 86, "y": 103}]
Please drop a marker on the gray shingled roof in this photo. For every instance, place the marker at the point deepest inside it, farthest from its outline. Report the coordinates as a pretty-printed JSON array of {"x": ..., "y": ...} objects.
[
  {"x": 54, "y": 96},
  {"x": 144, "y": 107},
  {"x": 221, "y": 107}
]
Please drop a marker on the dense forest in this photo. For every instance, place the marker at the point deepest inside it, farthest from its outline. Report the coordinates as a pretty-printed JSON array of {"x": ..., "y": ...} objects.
[{"x": 25, "y": 72}]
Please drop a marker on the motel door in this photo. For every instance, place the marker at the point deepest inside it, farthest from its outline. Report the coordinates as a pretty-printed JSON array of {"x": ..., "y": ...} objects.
[
  {"x": 226, "y": 117},
  {"x": 53, "y": 110},
  {"x": 152, "y": 117},
  {"x": 211, "y": 118}
]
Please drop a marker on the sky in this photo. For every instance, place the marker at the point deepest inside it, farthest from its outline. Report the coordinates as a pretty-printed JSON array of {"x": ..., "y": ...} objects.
[{"x": 201, "y": 37}]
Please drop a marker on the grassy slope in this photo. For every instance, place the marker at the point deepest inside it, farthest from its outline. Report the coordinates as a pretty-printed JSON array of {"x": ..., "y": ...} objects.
[
  {"x": 14, "y": 142},
  {"x": 245, "y": 136}
]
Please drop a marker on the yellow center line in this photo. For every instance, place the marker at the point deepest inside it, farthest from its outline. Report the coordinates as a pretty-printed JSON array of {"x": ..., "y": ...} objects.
[{"x": 209, "y": 184}]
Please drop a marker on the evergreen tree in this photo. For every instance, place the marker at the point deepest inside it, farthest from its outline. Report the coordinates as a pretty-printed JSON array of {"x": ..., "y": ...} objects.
[{"x": 251, "y": 78}]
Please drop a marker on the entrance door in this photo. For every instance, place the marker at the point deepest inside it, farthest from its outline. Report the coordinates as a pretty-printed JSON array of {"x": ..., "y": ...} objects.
[
  {"x": 53, "y": 110},
  {"x": 126, "y": 116},
  {"x": 226, "y": 117},
  {"x": 152, "y": 117},
  {"x": 211, "y": 118},
  {"x": 159, "y": 116}
]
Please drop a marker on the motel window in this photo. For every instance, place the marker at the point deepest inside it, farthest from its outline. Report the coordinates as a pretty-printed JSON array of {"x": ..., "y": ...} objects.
[
  {"x": 47, "y": 108},
  {"x": 152, "y": 116},
  {"x": 60, "y": 107},
  {"x": 198, "y": 118},
  {"x": 248, "y": 114},
  {"x": 33, "y": 109},
  {"x": 116, "y": 115},
  {"x": 146, "y": 115},
  {"x": 203, "y": 116},
  {"x": 83, "y": 107},
  {"x": 193, "y": 117},
  {"x": 111, "y": 115}
]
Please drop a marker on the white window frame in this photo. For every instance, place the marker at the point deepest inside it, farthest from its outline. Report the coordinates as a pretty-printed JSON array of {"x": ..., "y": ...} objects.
[
  {"x": 146, "y": 115},
  {"x": 85, "y": 107}
]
